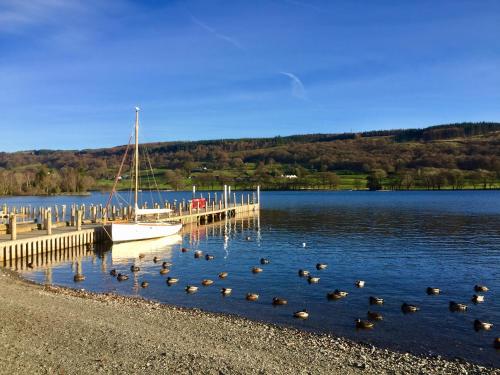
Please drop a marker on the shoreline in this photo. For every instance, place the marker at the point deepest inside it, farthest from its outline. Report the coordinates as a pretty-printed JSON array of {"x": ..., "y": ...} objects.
[{"x": 47, "y": 329}]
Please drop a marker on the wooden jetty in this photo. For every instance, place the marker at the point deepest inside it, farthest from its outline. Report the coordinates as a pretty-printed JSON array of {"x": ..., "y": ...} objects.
[{"x": 29, "y": 231}]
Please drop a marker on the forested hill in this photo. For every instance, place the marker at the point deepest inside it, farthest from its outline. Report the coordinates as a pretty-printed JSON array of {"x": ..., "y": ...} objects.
[{"x": 454, "y": 155}]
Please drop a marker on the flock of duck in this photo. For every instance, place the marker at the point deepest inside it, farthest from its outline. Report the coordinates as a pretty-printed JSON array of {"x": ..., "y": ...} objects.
[{"x": 372, "y": 316}]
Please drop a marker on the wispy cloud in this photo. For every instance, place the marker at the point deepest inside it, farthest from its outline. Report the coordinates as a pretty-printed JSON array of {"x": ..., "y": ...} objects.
[
  {"x": 16, "y": 14},
  {"x": 297, "y": 87},
  {"x": 214, "y": 32}
]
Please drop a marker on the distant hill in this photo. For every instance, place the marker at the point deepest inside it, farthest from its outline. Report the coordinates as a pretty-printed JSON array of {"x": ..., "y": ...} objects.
[{"x": 468, "y": 150}]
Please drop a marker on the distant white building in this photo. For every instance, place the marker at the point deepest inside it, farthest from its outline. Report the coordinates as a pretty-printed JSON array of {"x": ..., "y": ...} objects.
[{"x": 290, "y": 176}]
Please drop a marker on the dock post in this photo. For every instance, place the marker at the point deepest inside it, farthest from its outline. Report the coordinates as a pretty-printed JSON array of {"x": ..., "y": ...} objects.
[
  {"x": 229, "y": 194},
  {"x": 13, "y": 227},
  {"x": 48, "y": 224},
  {"x": 258, "y": 195},
  {"x": 225, "y": 196},
  {"x": 79, "y": 220},
  {"x": 63, "y": 212}
]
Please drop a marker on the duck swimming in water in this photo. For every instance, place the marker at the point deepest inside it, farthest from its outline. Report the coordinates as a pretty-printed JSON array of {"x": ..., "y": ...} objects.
[
  {"x": 407, "y": 308},
  {"x": 113, "y": 272},
  {"x": 360, "y": 284},
  {"x": 191, "y": 289},
  {"x": 252, "y": 297},
  {"x": 257, "y": 270},
  {"x": 364, "y": 324},
  {"x": 337, "y": 294},
  {"x": 303, "y": 273},
  {"x": 264, "y": 261},
  {"x": 184, "y": 250},
  {"x": 144, "y": 284},
  {"x": 226, "y": 291},
  {"x": 78, "y": 277},
  {"x": 303, "y": 314},
  {"x": 376, "y": 301},
  {"x": 164, "y": 271},
  {"x": 279, "y": 301},
  {"x": 209, "y": 257},
  {"x": 166, "y": 264},
  {"x": 172, "y": 280},
  {"x": 481, "y": 288},
  {"x": 312, "y": 280},
  {"x": 122, "y": 277},
  {"x": 477, "y": 298},
  {"x": 156, "y": 259},
  {"x": 454, "y": 306},
  {"x": 433, "y": 291},
  {"x": 198, "y": 254},
  {"x": 321, "y": 266},
  {"x": 207, "y": 282},
  {"x": 223, "y": 275},
  {"x": 479, "y": 325},
  {"x": 134, "y": 268}
]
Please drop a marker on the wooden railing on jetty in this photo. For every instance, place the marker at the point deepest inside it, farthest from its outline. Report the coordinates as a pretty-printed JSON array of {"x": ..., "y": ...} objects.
[{"x": 28, "y": 231}]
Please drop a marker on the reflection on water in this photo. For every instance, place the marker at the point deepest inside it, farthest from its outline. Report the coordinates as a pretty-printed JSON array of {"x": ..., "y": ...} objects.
[
  {"x": 399, "y": 243},
  {"x": 147, "y": 249}
]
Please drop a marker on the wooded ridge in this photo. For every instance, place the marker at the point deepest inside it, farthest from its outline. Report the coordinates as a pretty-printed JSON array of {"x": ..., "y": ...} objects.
[{"x": 462, "y": 155}]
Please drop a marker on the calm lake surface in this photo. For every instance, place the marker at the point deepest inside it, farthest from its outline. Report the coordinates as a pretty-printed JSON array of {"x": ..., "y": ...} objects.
[{"x": 398, "y": 242}]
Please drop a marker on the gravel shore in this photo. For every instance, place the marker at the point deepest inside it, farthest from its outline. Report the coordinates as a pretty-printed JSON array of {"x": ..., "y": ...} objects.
[{"x": 49, "y": 330}]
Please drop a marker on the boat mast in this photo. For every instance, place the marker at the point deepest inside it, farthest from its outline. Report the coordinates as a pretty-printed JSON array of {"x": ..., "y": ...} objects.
[{"x": 136, "y": 162}]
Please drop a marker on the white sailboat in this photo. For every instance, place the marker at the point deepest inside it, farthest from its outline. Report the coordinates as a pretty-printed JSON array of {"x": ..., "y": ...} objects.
[{"x": 142, "y": 230}]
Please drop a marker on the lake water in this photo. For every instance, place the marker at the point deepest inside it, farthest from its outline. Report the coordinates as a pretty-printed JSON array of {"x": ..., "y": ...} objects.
[{"x": 398, "y": 242}]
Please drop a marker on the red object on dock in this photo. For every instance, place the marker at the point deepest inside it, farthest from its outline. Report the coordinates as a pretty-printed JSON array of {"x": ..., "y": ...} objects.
[{"x": 198, "y": 203}]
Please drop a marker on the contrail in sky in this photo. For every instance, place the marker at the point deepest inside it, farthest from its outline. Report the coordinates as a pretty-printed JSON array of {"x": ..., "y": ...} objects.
[
  {"x": 211, "y": 30},
  {"x": 297, "y": 86}
]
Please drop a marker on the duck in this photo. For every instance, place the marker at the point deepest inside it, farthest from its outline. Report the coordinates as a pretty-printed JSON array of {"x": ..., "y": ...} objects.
[
  {"x": 223, "y": 275},
  {"x": 164, "y": 271},
  {"x": 376, "y": 301},
  {"x": 248, "y": 238},
  {"x": 360, "y": 283},
  {"x": 142, "y": 256},
  {"x": 172, "y": 280},
  {"x": 496, "y": 343},
  {"x": 433, "y": 291},
  {"x": 479, "y": 325},
  {"x": 207, "y": 282},
  {"x": 373, "y": 315},
  {"x": 252, "y": 297},
  {"x": 476, "y": 298},
  {"x": 191, "y": 289},
  {"x": 78, "y": 277},
  {"x": 122, "y": 277},
  {"x": 156, "y": 259},
  {"x": 303, "y": 273},
  {"x": 144, "y": 284},
  {"x": 184, "y": 250},
  {"x": 364, "y": 324},
  {"x": 303, "y": 314},
  {"x": 30, "y": 265},
  {"x": 481, "y": 288},
  {"x": 166, "y": 264},
  {"x": 312, "y": 280},
  {"x": 454, "y": 306},
  {"x": 264, "y": 261},
  {"x": 113, "y": 272},
  {"x": 407, "y": 308},
  {"x": 279, "y": 301},
  {"x": 257, "y": 270},
  {"x": 198, "y": 254},
  {"x": 321, "y": 266},
  {"x": 209, "y": 257},
  {"x": 134, "y": 268},
  {"x": 226, "y": 291},
  {"x": 337, "y": 294}
]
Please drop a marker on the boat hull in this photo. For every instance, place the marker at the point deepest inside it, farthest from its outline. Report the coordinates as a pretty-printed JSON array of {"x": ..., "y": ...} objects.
[{"x": 124, "y": 232}]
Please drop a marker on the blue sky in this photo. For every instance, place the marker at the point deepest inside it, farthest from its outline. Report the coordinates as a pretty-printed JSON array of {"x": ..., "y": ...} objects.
[{"x": 71, "y": 71}]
